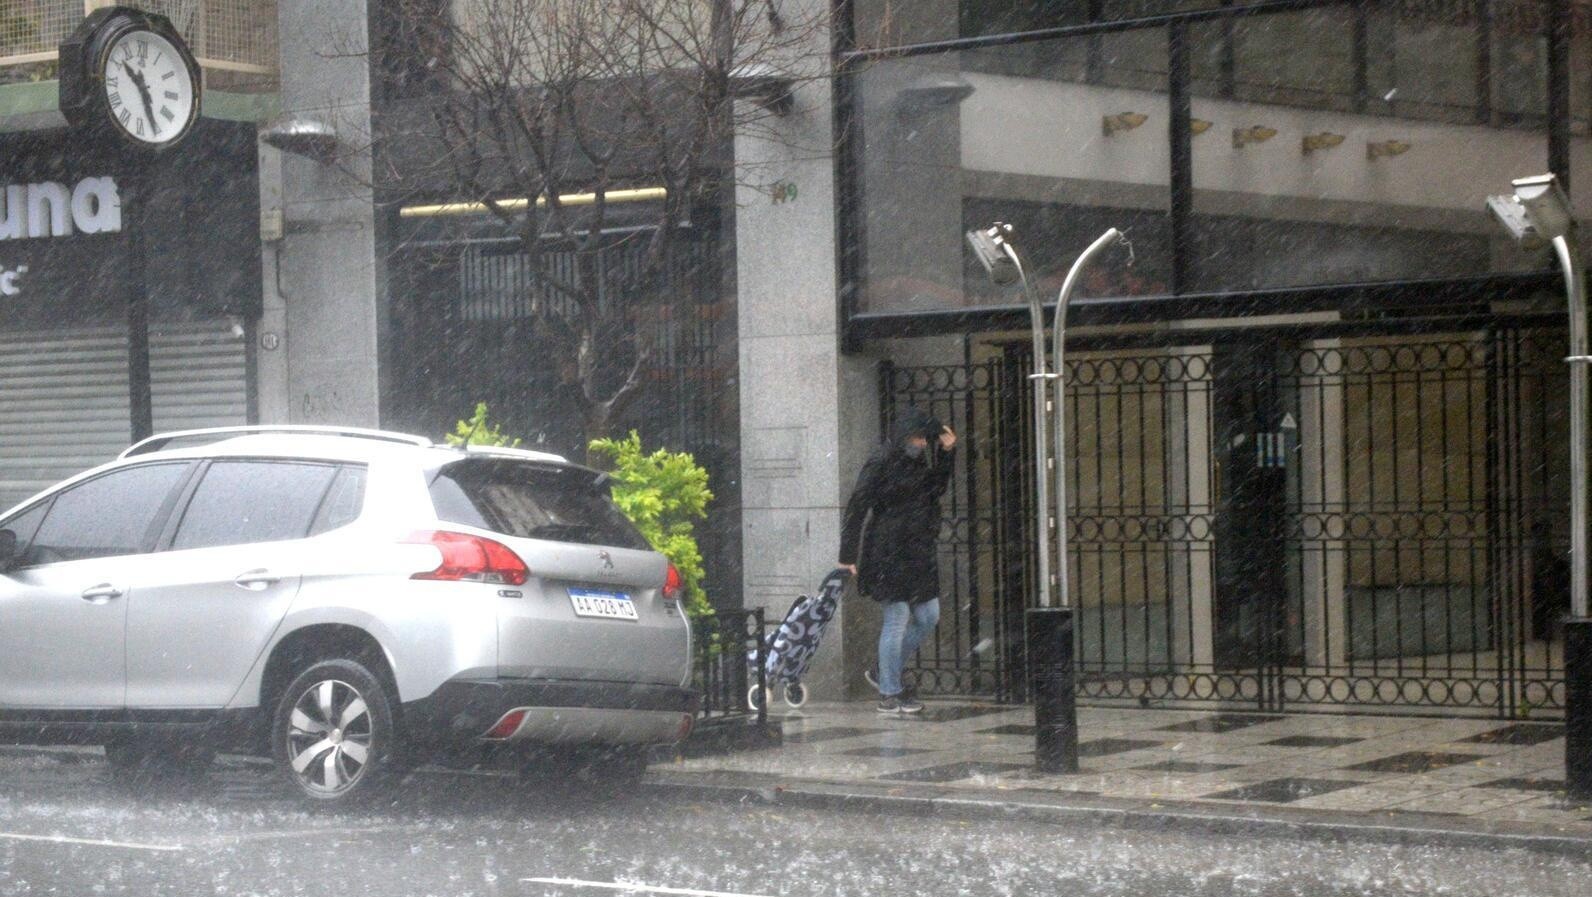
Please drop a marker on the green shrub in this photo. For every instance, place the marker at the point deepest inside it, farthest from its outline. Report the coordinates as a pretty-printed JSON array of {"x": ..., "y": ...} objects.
[
  {"x": 479, "y": 430},
  {"x": 664, "y": 494}
]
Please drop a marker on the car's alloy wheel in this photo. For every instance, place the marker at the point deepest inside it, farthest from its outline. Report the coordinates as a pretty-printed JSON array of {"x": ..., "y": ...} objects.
[{"x": 333, "y": 732}]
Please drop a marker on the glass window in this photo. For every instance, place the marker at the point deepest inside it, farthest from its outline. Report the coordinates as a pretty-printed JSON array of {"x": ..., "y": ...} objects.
[
  {"x": 1303, "y": 58},
  {"x": 239, "y": 502},
  {"x": 343, "y": 503},
  {"x": 530, "y": 501},
  {"x": 1295, "y": 186},
  {"x": 981, "y": 17},
  {"x": 24, "y": 525},
  {"x": 110, "y": 515},
  {"x": 1519, "y": 63},
  {"x": 1061, "y": 138},
  {"x": 1424, "y": 62}
]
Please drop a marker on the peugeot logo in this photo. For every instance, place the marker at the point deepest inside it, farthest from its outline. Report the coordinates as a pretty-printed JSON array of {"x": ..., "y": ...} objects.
[{"x": 608, "y": 560}]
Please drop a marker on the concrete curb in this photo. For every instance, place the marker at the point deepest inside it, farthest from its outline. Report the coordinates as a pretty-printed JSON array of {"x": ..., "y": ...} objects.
[{"x": 1396, "y": 828}]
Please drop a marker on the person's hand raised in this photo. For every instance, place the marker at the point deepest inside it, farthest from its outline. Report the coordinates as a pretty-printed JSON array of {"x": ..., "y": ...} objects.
[{"x": 948, "y": 439}]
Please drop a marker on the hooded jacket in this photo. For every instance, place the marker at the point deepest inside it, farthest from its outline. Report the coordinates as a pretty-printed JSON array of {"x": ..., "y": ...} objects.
[{"x": 892, "y": 520}]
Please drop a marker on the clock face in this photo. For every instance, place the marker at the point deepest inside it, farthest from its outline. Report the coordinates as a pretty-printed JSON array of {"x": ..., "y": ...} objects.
[{"x": 149, "y": 88}]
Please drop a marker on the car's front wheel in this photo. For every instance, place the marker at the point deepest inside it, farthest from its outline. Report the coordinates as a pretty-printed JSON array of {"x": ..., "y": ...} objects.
[{"x": 333, "y": 735}]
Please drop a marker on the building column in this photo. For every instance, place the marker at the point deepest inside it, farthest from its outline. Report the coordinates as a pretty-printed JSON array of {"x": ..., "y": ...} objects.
[
  {"x": 321, "y": 277},
  {"x": 808, "y": 413}
]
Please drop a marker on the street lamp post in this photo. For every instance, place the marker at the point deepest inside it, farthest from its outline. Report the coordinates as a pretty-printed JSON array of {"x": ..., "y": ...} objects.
[
  {"x": 1538, "y": 211},
  {"x": 1049, "y": 625}
]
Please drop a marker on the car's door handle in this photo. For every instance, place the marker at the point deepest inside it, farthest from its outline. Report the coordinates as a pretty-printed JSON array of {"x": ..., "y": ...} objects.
[
  {"x": 257, "y": 580},
  {"x": 101, "y": 593}
]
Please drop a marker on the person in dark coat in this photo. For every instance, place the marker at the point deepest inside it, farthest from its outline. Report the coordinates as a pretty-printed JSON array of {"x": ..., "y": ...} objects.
[{"x": 888, "y": 541}]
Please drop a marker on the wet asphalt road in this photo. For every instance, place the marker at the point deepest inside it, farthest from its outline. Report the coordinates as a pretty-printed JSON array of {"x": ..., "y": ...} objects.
[{"x": 67, "y": 829}]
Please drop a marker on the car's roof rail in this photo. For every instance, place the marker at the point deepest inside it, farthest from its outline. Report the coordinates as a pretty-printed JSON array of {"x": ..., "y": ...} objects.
[
  {"x": 161, "y": 440},
  {"x": 509, "y": 452}
]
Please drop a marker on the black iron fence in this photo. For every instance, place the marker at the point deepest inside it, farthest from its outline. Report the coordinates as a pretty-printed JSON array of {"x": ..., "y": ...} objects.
[
  {"x": 1270, "y": 522},
  {"x": 729, "y": 660}
]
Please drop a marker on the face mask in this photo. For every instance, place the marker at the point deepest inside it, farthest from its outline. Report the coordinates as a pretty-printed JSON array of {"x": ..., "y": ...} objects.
[{"x": 914, "y": 451}]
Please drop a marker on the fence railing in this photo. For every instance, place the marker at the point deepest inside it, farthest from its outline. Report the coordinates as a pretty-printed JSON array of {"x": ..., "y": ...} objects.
[{"x": 730, "y": 660}]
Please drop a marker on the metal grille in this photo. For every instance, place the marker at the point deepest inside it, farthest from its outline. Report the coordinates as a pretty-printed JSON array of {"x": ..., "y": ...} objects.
[
  {"x": 236, "y": 34},
  {"x": 1275, "y": 525},
  {"x": 30, "y": 27},
  {"x": 970, "y": 653}
]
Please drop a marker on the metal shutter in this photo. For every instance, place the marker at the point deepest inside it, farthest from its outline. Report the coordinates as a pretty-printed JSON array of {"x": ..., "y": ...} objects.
[
  {"x": 198, "y": 376},
  {"x": 63, "y": 395}
]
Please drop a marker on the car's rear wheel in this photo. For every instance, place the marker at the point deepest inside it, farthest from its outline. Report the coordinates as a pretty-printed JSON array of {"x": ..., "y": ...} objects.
[{"x": 333, "y": 735}]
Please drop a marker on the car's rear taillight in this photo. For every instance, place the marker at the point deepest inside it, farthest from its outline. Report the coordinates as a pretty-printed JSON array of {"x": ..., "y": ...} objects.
[
  {"x": 673, "y": 585},
  {"x": 467, "y": 558}
]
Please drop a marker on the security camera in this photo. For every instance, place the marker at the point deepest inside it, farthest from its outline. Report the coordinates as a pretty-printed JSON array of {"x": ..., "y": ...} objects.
[{"x": 992, "y": 248}]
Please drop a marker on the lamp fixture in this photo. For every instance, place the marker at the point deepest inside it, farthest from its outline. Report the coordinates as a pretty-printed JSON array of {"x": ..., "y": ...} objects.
[
  {"x": 932, "y": 93},
  {"x": 452, "y": 209},
  {"x": 302, "y": 135},
  {"x": 1243, "y": 137},
  {"x": 1325, "y": 140},
  {"x": 1122, "y": 121},
  {"x": 1386, "y": 149},
  {"x": 1198, "y": 126},
  {"x": 769, "y": 86}
]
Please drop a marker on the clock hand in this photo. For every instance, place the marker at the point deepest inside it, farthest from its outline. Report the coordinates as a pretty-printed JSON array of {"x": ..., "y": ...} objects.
[{"x": 143, "y": 94}]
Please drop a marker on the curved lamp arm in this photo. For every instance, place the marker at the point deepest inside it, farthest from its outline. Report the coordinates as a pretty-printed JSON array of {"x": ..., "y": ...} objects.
[{"x": 1112, "y": 235}]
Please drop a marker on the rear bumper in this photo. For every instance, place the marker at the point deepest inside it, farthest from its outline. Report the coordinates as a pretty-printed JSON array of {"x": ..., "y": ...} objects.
[{"x": 556, "y": 711}]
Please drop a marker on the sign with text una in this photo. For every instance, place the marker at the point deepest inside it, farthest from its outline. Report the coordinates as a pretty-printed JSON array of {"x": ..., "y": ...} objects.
[{"x": 51, "y": 209}]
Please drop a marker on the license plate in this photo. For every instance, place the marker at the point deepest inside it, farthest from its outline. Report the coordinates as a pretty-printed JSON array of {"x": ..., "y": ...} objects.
[{"x": 603, "y": 605}]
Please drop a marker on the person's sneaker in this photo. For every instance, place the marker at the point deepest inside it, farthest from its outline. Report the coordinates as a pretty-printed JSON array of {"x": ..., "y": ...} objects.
[
  {"x": 906, "y": 704},
  {"x": 872, "y": 677},
  {"x": 890, "y": 705}
]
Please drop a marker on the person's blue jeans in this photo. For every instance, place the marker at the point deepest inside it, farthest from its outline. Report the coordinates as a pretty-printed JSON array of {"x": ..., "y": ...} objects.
[{"x": 904, "y": 629}]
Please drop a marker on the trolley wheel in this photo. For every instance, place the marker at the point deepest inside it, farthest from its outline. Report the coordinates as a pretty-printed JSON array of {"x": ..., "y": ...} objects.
[
  {"x": 757, "y": 698},
  {"x": 795, "y": 694}
]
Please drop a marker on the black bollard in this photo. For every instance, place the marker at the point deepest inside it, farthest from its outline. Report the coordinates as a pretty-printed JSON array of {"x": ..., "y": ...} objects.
[
  {"x": 1578, "y": 707},
  {"x": 1053, "y": 682}
]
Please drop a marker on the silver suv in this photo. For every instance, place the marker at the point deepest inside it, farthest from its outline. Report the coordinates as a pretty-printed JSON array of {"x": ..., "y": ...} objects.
[{"x": 349, "y": 601}]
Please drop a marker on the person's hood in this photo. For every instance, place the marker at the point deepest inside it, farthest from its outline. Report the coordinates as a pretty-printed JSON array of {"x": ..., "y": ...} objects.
[{"x": 914, "y": 421}]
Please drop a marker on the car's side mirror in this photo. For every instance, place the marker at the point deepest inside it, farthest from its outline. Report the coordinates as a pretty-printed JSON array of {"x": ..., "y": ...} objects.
[{"x": 8, "y": 550}]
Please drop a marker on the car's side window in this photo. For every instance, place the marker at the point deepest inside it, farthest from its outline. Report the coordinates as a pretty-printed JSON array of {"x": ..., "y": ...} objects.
[
  {"x": 107, "y": 516},
  {"x": 343, "y": 503},
  {"x": 23, "y": 526},
  {"x": 239, "y": 502}
]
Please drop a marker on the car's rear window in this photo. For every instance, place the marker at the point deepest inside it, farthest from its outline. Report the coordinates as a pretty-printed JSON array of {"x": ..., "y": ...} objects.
[{"x": 531, "y": 501}]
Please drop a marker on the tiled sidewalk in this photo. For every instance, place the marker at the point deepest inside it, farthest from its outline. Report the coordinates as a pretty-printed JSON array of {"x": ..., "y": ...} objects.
[{"x": 1482, "y": 769}]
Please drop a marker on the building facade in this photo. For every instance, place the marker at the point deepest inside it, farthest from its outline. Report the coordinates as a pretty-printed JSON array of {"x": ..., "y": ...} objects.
[{"x": 1316, "y": 447}]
